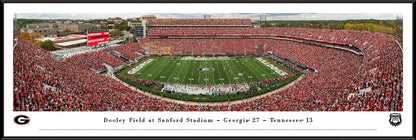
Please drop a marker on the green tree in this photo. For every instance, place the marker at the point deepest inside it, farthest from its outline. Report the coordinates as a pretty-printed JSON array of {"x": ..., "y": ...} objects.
[
  {"x": 130, "y": 40},
  {"x": 37, "y": 43},
  {"x": 127, "y": 28},
  {"x": 48, "y": 45},
  {"x": 134, "y": 40},
  {"x": 23, "y": 22},
  {"x": 118, "y": 26},
  {"x": 104, "y": 26},
  {"x": 94, "y": 22},
  {"x": 268, "y": 25},
  {"x": 36, "y": 35},
  {"x": 115, "y": 32}
]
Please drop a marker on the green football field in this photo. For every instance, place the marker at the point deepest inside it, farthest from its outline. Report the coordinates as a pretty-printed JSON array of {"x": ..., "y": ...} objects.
[{"x": 205, "y": 71}]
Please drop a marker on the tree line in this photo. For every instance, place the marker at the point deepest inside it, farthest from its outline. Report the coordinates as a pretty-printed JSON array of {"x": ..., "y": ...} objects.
[
  {"x": 392, "y": 27},
  {"x": 34, "y": 39}
]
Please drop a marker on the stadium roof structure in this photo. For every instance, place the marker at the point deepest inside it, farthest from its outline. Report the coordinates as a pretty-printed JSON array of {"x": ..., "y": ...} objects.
[
  {"x": 47, "y": 38},
  {"x": 63, "y": 39},
  {"x": 69, "y": 43},
  {"x": 38, "y": 28}
]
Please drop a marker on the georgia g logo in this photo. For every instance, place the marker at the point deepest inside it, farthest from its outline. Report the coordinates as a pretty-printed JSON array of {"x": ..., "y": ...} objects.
[
  {"x": 395, "y": 119},
  {"x": 21, "y": 119}
]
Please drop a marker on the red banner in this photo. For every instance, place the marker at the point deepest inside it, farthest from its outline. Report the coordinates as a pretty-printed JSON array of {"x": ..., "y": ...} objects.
[{"x": 98, "y": 38}]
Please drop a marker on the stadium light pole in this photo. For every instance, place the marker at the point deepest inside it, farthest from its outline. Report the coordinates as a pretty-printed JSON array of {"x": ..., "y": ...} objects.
[
  {"x": 260, "y": 21},
  {"x": 265, "y": 20}
]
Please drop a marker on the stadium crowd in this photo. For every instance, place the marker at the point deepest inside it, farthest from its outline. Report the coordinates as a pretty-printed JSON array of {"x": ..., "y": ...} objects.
[
  {"x": 132, "y": 51},
  {"x": 200, "y": 22},
  {"x": 339, "y": 73},
  {"x": 95, "y": 59},
  {"x": 208, "y": 46}
]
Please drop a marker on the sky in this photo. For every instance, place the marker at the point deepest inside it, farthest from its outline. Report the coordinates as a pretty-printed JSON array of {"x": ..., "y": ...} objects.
[{"x": 252, "y": 16}]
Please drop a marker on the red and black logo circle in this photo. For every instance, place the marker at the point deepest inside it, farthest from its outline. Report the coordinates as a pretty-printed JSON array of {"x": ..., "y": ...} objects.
[{"x": 21, "y": 119}]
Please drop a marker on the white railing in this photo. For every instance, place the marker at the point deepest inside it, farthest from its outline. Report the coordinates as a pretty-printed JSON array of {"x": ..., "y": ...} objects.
[{"x": 400, "y": 46}]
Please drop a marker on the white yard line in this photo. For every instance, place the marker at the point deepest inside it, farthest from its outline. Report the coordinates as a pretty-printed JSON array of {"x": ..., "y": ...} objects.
[
  {"x": 199, "y": 73},
  {"x": 229, "y": 79},
  {"x": 238, "y": 80},
  {"x": 253, "y": 72},
  {"x": 160, "y": 70},
  {"x": 174, "y": 70},
  {"x": 134, "y": 75},
  {"x": 142, "y": 73},
  {"x": 176, "y": 74},
  {"x": 212, "y": 72},
  {"x": 184, "y": 77},
  {"x": 245, "y": 80},
  {"x": 260, "y": 73}
]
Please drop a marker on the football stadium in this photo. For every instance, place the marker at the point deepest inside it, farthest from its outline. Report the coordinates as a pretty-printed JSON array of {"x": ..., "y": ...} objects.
[{"x": 216, "y": 65}]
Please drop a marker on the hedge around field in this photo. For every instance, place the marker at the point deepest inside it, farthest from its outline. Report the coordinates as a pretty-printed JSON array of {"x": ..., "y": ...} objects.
[{"x": 209, "y": 98}]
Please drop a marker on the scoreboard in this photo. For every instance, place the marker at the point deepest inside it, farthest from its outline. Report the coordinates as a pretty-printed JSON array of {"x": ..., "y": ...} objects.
[{"x": 97, "y": 37}]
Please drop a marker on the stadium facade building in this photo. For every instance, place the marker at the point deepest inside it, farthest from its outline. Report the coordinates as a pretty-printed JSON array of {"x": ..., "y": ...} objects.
[{"x": 131, "y": 24}]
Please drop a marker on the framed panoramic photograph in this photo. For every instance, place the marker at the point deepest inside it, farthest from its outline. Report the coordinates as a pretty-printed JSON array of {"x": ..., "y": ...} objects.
[{"x": 265, "y": 70}]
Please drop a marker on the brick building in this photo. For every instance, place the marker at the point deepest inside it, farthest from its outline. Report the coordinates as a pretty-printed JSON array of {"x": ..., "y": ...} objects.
[
  {"x": 45, "y": 32},
  {"x": 56, "y": 29}
]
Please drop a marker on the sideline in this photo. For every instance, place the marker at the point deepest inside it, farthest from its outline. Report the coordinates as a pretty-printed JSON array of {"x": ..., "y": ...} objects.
[{"x": 207, "y": 103}]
